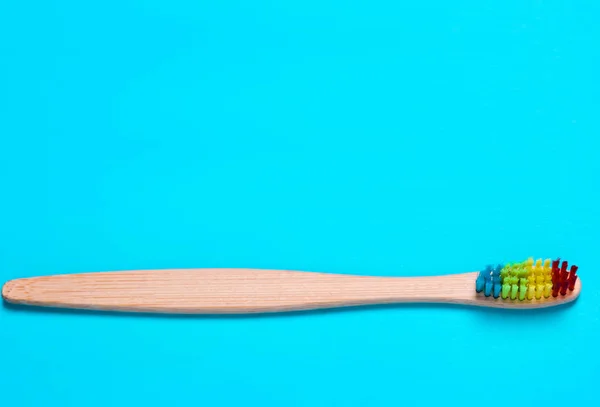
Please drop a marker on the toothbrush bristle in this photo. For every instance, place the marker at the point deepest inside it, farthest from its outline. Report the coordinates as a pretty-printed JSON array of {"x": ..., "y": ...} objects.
[
  {"x": 572, "y": 277},
  {"x": 488, "y": 286},
  {"x": 528, "y": 280},
  {"x": 480, "y": 283},
  {"x": 497, "y": 286},
  {"x": 555, "y": 271}
]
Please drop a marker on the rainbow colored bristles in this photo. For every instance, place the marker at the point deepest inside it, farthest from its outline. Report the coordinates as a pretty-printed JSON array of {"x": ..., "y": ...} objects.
[{"x": 528, "y": 280}]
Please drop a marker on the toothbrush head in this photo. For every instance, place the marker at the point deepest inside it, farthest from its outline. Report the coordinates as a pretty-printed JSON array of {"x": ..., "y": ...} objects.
[{"x": 528, "y": 280}]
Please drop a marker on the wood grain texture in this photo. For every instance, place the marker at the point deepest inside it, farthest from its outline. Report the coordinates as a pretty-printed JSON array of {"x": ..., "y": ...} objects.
[{"x": 242, "y": 291}]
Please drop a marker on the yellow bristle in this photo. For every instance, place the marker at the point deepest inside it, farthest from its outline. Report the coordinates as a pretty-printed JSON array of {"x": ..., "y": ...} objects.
[
  {"x": 530, "y": 291},
  {"x": 538, "y": 263},
  {"x": 540, "y": 279},
  {"x": 529, "y": 263},
  {"x": 547, "y": 289},
  {"x": 548, "y": 266},
  {"x": 539, "y": 290}
]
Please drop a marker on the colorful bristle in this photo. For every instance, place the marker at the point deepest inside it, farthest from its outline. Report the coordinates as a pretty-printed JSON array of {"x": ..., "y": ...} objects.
[
  {"x": 555, "y": 271},
  {"x": 547, "y": 290},
  {"x": 513, "y": 291},
  {"x": 480, "y": 283},
  {"x": 572, "y": 278},
  {"x": 505, "y": 290},
  {"x": 497, "y": 286},
  {"x": 555, "y": 288},
  {"x": 529, "y": 263},
  {"x": 528, "y": 280},
  {"x": 563, "y": 288},
  {"x": 539, "y": 291},
  {"x": 522, "y": 291},
  {"x": 531, "y": 291},
  {"x": 488, "y": 286},
  {"x": 505, "y": 272}
]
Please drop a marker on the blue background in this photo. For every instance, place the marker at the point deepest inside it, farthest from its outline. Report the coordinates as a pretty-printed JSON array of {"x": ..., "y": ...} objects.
[{"x": 379, "y": 138}]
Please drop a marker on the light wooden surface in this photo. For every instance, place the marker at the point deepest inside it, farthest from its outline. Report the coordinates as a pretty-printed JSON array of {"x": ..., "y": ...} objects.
[{"x": 240, "y": 291}]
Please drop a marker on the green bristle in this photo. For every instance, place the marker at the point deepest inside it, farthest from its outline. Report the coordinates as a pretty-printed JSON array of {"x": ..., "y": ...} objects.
[
  {"x": 522, "y": 291},
  {"x": 505, "y": 290},
  {"x": 505, "y": 272},
  {"x": 513, "y": 291}
]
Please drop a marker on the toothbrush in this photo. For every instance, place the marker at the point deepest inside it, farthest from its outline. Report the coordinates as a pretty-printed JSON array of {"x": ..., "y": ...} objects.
[{"x": 525, "y": 285}]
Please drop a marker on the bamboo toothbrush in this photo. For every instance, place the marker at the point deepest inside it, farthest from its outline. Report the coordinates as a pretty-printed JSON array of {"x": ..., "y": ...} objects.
[{"x": 242, "y": 291}]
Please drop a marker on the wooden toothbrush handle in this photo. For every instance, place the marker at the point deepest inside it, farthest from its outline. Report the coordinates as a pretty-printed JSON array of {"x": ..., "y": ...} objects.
[{"x": 229, "y": 291}]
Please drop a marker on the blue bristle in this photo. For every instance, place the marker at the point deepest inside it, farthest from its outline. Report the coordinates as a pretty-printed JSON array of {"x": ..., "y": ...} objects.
[
  {"x": 497, "y": 270},
  {"x": 488, "y": 286},
  {"x": 483, "y": 276},
  {"x": 480, "y": 282},
  {"x": 497, "y": 287}
]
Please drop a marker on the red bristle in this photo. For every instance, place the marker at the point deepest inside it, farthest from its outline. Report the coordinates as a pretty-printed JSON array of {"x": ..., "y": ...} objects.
[
  {"x": 572, "y": 277},
  {"x": 563, "y": 271},
  {"x": 555, "y": 288},
  {"x": 572, "y": 280},
  {"x": 563, "y": 288},
  {"x": 555, "y": 271},
  {"x": 573, "y": 270}
]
